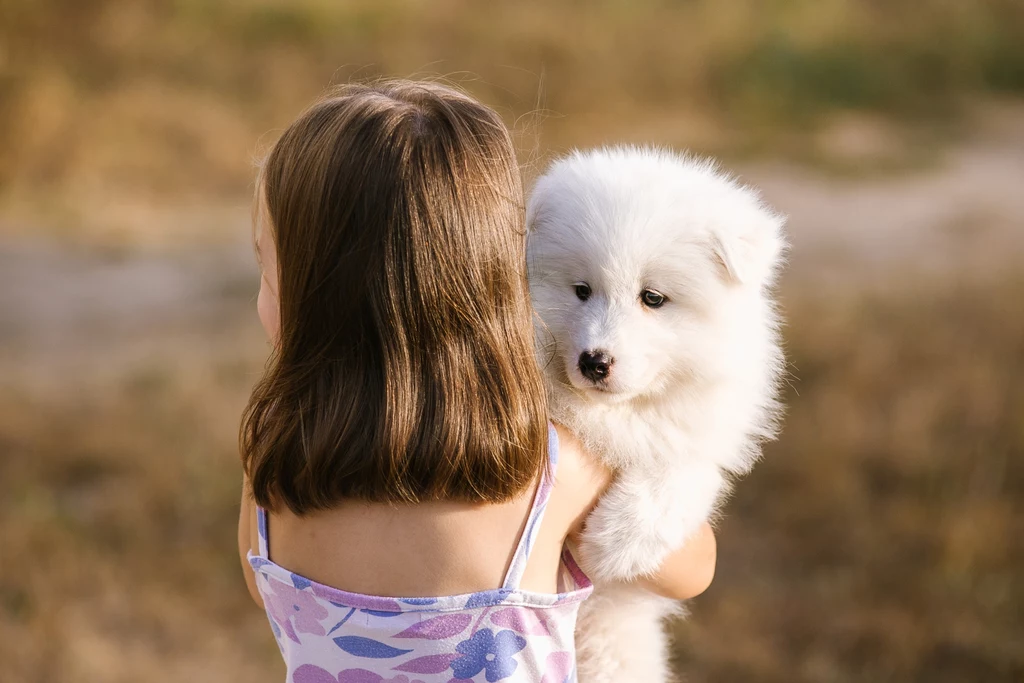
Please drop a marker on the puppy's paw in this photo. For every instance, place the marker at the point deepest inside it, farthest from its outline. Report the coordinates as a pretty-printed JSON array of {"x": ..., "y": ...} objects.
[{"x": 614, "y": 547}]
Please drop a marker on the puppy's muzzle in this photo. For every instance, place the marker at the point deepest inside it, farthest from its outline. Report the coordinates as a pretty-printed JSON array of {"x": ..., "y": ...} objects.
[{"x": 595, "y": 365}]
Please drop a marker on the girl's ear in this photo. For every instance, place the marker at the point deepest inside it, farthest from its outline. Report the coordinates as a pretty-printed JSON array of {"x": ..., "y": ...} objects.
[{"x": 749, "y": 245}]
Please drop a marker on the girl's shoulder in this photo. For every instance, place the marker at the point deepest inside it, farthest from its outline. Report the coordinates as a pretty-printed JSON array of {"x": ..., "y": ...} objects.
[{"x": 580, "y": 479}]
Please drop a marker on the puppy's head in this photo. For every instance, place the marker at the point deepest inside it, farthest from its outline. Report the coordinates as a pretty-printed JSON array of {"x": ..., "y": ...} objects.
[{"x": 647, "y": 269}]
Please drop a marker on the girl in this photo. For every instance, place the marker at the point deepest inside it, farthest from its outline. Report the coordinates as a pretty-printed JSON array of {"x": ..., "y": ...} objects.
[{"x": 397, "y": 444}]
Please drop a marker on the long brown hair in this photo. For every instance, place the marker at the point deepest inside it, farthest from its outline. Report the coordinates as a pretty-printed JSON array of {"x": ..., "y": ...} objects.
[{"x": 404, "y": 369}]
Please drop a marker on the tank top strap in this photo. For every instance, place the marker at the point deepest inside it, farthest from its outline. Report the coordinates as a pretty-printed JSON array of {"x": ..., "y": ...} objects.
[
  {"x": 533, "y": 521},
  {"x": 261, "y": 527}
]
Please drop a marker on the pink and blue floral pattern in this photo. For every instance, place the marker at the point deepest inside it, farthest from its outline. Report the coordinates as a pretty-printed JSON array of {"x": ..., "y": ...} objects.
[
  {"x": 488, "y": 651},
  {"x": 294, "y": 611},
  {"x": 327, "y": 635}
]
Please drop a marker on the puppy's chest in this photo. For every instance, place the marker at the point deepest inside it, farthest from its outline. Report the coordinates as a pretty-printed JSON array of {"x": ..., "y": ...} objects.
[{"x": 626, "y": 438}]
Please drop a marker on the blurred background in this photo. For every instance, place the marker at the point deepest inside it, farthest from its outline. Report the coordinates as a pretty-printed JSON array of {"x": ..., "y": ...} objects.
[{"x": 881, "y": 539}]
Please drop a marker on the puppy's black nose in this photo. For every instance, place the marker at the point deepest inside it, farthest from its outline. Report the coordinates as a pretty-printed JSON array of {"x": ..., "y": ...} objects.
[{"x": 595, "y": 365}]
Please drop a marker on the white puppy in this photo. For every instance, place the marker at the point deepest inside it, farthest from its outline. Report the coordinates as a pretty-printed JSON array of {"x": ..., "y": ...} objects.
[{"x": 652, "y": 274}]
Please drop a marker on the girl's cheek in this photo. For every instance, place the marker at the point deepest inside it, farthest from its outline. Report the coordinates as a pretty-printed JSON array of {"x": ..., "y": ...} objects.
[{"x": 267, "y": 308}]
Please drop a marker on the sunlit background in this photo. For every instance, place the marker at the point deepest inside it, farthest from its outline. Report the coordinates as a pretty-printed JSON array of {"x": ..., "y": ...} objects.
[{"x": 882, "y": 539}]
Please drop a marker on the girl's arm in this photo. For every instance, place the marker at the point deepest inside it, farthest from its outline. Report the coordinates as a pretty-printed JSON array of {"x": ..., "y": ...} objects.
[
  {"x": 246, "y": 529},
  {"x": 688, "y": 571},
  {"x": 581, "y": 479}
]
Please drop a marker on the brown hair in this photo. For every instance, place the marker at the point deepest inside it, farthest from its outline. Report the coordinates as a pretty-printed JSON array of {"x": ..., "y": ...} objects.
[{"x": 404, "y": 370}]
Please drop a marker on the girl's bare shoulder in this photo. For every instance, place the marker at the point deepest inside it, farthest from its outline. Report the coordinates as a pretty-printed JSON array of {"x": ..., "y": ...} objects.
[{"x": 580, "y": 479}]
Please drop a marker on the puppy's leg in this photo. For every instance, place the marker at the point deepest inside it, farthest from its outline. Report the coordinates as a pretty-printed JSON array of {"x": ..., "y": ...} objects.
[
  {"x": 620, "y": 636},
  {"x": 647, "y": 512}
]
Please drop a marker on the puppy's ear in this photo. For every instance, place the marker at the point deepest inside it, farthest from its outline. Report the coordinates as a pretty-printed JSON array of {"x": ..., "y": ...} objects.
[{"x": 749, "y": 245}]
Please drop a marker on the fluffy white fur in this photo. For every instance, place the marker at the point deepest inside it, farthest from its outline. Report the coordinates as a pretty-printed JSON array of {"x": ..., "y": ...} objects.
[{"x": 691, "y": 392}]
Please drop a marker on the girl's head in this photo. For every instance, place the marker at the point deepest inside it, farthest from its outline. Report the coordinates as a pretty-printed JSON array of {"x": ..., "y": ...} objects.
[{"x": 391, "y": 233}]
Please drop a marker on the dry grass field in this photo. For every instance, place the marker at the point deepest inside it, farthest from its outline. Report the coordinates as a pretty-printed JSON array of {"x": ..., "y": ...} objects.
[{"x": 880, "y": 541}]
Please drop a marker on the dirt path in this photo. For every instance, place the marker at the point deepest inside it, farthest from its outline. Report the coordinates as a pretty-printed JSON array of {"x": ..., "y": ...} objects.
[{"x": 966, "y": 215}]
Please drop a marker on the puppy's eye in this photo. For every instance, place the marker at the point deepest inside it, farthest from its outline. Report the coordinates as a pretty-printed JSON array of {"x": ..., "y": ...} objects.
[
  {"x": 582, "y": 290},
  {"x": 652, "y": 299}
]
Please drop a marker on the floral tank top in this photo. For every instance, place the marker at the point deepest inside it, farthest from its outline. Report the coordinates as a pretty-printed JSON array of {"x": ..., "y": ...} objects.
[{"x": 327, "y": 635}]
